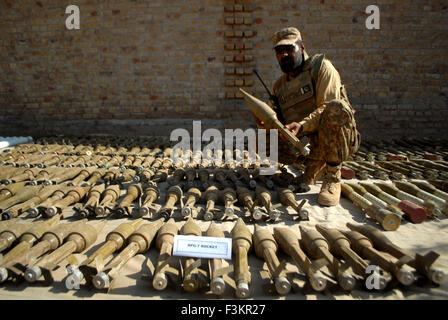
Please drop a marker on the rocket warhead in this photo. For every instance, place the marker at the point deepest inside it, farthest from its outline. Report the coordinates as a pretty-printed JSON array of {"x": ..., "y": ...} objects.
[{"x": 266, "y": 114}]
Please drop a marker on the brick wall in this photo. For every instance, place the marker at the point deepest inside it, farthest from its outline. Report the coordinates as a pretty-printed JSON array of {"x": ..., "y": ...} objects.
[{"x": 158, "y": 64}]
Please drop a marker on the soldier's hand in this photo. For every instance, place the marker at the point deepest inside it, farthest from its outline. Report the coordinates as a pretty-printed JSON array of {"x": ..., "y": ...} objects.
[{"x": 294, "y": 127}]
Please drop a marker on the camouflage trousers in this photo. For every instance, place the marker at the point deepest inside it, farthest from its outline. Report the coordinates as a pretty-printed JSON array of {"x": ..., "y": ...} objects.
[{"x": 334, "y": 141}]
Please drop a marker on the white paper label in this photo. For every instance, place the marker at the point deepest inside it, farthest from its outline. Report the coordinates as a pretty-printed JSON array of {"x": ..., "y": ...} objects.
[{"x": 202, "y": 247}]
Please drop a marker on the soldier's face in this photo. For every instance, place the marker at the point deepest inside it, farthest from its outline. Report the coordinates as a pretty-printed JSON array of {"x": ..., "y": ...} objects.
[{"x": 289, "y": 57}]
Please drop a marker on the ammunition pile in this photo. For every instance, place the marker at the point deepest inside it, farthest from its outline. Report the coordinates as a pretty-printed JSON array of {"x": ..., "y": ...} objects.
[
  {"x": 59, "y": 194},
  {"x": 415, "y": 174},
  {"x": 326, "y": 257},
  {"x": 400, "y": 159},
  {"x": 92, "y": 174}
]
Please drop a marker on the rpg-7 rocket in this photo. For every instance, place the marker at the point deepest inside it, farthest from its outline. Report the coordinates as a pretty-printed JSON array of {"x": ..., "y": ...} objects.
[
  {"x": 241, "y": 244},
  {"x": 289, "y": 242},
  {"x": 27, "y": 239},
  {"x": 81, "y": 238},
  {"x": 266, "y": 248},
  {"x": 108, "y": 199},
  {"x": 211, "y": 196},
  {"x": 139, "y": 242},
  {"x": 191, "y": 280},
  {"x": 150, "y": 195},
  {"x": 115, "y": 240},
  {"x": 266, "y": 114},
  {"x": 217, "y": 284},
  {"x": 164, "y": 242},
  {"x": 49, "y": 241},
  {"x": 193, "y": 196},
  {"x": 340, "y": 246},
  {"x": 319, "y": 248},
  {"x": 423, "y": 264}
]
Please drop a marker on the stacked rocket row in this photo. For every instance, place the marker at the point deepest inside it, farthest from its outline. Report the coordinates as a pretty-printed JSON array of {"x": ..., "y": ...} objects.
[
  {"x": 44, "y": 179},
  {"x": 325, "y": 256},
  {"x": 414, "y": 186}
]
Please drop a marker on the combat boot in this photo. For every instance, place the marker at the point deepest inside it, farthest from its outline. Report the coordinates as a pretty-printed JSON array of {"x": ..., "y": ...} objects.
[
  {"x": 331, "y": 186},
  {"x": 313, "y": 170}
]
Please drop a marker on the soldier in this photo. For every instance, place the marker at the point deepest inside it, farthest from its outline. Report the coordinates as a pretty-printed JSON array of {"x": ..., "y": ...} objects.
[{"x": 314, "y": 103}]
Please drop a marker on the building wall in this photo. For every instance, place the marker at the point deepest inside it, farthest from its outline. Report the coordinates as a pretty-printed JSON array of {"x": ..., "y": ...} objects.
[{"x": 145, "y": 67}]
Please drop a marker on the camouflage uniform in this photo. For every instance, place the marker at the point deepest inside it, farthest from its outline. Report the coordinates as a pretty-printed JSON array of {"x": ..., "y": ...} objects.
[{"x": 317, "y": 100}]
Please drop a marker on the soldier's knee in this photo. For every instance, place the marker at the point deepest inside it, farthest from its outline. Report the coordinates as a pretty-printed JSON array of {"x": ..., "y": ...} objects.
[
  {"x": 337, "y": 112},
  {"x": 336, "y": 107}
]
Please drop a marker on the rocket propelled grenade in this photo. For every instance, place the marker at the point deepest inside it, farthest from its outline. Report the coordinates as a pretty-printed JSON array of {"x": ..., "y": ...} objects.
[
  {"x": 165, "y": 243},
  {"x": 390, "y": 221},
  {"x": 133, "y": 193},
  {"x": 211, "y": 196},
  {"x": 229, "y": 197},
  {"x": 412, "y": 211},
  {"x": 265, "y": 113},
  {"x": 246, "y": 199},
  {"x": 340, "y": 245},
  {"x": 192, "y": 197},
  {"x": 138, "y": 243},
  {"x": 318, "y": 247},
  {"x": 77, "y": 241},
  {"x": 93, "y": 199},
  {"x": 217, "y": 284},
  {"x": 426, "y": 186},
  {"x": 287, "y": 198},
  {"x": 20, "y": 208},
  {"x": 73, "y": 196},
  {"x": 95, "y": 176},
  {"x": 266, "y": 248},
  {"x": 289, "y": 243},
  {"x": 241, "y": 244},
  {"x": 424, "y": 195},
  {"x": 191, "y": 279},
  {"x": 56, "y": 195},
  {"x": 173, "y": 196},
  {"x": 83, "y": 174},
  {"x": 150, "y": 195},
  {"x": 108, "y": 199},
  {"x": 22, "y": 195},
  {"x": 115, "y": 240},
  {"x": 431, "y": 208},
  {"x": 11, "y": 233},
  {"x": 10, "y": 190},
  {"x": 364, "y": 246},
  {"x": 265, "y": 198},
  {"x": 26, "y": 241},
  {"x": 49, "y": 241},
  {"x": 423, "y": 264}
]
